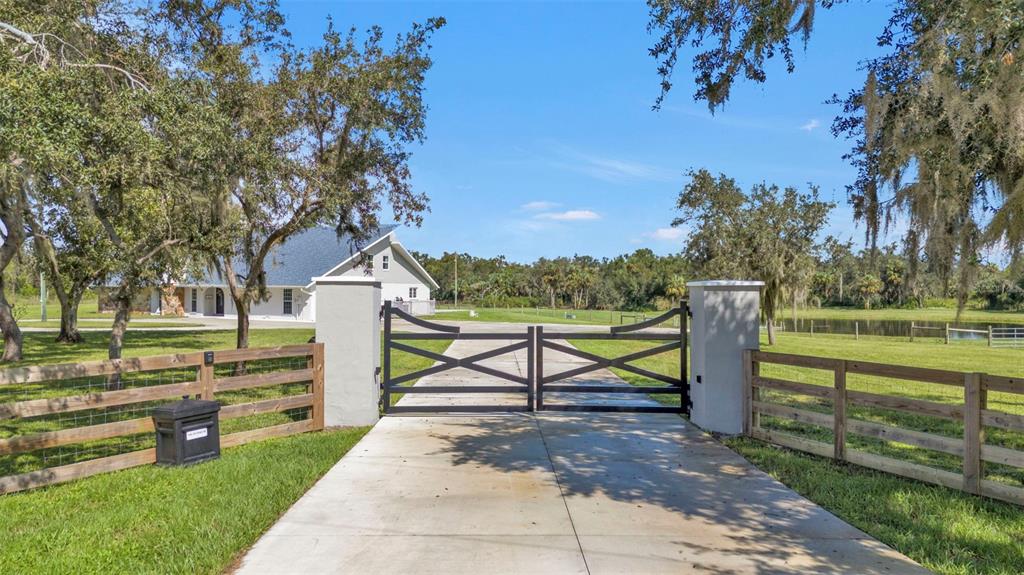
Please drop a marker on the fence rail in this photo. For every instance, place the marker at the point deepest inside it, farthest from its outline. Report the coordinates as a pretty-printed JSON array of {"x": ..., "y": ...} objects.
[
  {"x": 972, "y": 411},
  {"x": 120, "y": 400}
]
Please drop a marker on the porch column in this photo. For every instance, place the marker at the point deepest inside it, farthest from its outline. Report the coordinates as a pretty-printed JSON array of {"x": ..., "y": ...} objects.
[
  {"x": 726, "y": 321},
  {"x": 348, "y": 324}
]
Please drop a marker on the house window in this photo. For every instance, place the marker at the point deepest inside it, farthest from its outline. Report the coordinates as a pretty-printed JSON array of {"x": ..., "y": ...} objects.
[
  {"x": 385, "y": 262},
  {"x": 412, "y": 293},
  {"x": 195, "y": 297},
  {"x": 287, "y": 302}
]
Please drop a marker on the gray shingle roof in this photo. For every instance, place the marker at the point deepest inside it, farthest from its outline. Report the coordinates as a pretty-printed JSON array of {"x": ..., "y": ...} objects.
[{"x": 300, "y": 258}]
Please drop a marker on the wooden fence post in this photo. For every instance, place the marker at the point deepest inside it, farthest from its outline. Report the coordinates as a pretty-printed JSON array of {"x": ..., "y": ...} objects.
[
  {"x": 748, "y": 391},
  {"x": 947, "y": 333},
  {"x": 206, "y": 381},
  {"x": 839, "y": 411},
  {"x": 755, "y": 394},
  {"x": 318, "y": 386},
  {"x": 990, "y": 336},
  {"x": 856, "y": 330},
  {"x": 911, "y": 331},
  {"x": 972, "y": 432}
]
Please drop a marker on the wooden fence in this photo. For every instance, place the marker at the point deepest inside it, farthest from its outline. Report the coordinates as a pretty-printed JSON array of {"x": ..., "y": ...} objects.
[
  {"x": 208, "y": 375},
  {"x": 972, "y": 410}
]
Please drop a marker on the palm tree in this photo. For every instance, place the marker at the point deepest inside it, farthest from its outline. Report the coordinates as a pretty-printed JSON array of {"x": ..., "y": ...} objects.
[{"x": 676, "y": 288}]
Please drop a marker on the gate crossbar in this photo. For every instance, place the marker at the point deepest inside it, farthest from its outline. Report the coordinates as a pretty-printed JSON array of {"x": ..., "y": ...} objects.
[
  {"x": 469, "y": 362},
  {"x": 646, "y": 323},
  {"x": 617, "y": 362},
  {"x": 676, "y": 341},
  {"x": 392, "y": 385}
]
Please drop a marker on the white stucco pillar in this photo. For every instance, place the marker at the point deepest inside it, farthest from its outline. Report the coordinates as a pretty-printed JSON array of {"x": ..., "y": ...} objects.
[
  {"x": 726, "y": 320},
  {"x": 348, "y": 324}
]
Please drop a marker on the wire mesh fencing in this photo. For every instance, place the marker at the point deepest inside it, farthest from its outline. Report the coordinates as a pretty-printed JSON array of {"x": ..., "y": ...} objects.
[{"x": 61, "y": 422}]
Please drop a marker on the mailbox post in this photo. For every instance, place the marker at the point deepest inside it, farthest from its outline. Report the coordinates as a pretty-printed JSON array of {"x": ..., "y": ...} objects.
[{"x": 187, "y": 431}]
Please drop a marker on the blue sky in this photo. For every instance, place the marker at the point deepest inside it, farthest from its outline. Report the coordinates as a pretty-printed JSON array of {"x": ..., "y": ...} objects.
[{"x": 541, "y": 140}]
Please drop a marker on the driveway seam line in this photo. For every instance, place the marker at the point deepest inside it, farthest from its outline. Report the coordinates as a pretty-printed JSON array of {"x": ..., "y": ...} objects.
[{"x": 561, "y": 492}]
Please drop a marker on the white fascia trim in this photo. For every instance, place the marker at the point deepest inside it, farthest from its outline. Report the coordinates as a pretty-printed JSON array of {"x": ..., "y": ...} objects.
[
  {"x": 419, "y": 268},
  {"x": 386, "y": 236},
  {"x": 350, "y": 280}
]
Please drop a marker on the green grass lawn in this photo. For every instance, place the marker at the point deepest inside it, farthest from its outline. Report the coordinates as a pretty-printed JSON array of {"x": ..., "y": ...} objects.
[
  {"x": 195, "y": 519},
  {"x": 41, "y": 349},
  {"x": 605, "y": 317},
  {"x": 948, "y": 531},
  {"x": 103, "y": 323},
  {"x": 28, "y": 308}
]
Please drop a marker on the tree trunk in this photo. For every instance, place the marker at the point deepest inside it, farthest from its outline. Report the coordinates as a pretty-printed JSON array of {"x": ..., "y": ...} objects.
[
  {"x": 840, "y": 288},
  {"x": 69, "y": 317},
  {"x": 122, "y": 314},
  {"x": 12, "y": 203},
  {"x": 242, "y": 330},
  {"x": 9, "y": 327},
  {"x": 771, "y": 328}
]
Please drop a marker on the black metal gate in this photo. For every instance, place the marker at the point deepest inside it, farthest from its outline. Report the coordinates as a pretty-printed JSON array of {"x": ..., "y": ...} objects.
[
  {"x": 392, "y": 385},
  {"x": 677, "y": 341},
  {"x": 536, "y": 383}
]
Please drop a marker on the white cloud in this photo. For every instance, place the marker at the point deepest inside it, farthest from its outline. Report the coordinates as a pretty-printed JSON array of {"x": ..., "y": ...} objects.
[
  {"x": 538, "y": 206},
  {"x": 570, "y": 215},
  {"x": 613, "y": 170},
  {"x": 811, "y": 125},
  {"x": 666, "y": 234}
]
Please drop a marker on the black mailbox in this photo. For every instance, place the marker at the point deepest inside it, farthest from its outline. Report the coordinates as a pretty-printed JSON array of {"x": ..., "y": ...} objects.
[{"x": 187, "y": 431}]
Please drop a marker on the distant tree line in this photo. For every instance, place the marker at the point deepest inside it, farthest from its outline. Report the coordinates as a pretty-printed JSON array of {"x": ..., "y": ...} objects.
[
  {"x": 767, "y": 234},
  {"x": 640, "y": 280},
  {"x": 837, "y": 274}
]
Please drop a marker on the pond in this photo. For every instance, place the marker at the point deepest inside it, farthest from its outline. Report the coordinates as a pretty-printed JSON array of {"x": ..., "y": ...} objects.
[{"x": 891, "y": 327}]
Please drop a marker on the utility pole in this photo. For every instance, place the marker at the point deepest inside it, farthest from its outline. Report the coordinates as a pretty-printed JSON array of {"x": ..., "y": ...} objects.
[{"x": 456, "y": 280}]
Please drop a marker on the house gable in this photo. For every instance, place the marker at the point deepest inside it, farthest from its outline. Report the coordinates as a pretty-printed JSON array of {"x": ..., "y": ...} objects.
[{"x": 402, "y": 268}]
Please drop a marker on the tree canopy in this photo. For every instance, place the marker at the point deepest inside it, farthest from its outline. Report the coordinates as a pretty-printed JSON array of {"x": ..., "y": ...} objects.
[
  {"x": 936, "y": 128},
  {"x": 143, "y": 141}
]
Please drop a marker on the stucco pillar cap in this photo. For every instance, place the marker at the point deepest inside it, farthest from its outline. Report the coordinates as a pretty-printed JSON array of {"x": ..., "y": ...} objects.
[{"x": 726, "y": 284}]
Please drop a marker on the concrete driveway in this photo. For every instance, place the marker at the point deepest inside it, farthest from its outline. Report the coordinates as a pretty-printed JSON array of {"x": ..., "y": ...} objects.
[{"x": 555, "y": 492}]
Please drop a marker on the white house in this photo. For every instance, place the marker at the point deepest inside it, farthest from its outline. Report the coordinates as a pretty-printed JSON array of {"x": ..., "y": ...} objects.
[{"x": 291, "y": 268}]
